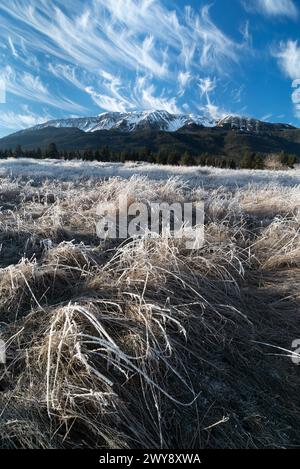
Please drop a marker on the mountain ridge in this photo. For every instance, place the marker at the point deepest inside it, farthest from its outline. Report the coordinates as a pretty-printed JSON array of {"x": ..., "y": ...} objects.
[
  {"x": 130, "y": 121},
  {"x": 230, "y": 136},
  {"x": 158, "y": 120}
]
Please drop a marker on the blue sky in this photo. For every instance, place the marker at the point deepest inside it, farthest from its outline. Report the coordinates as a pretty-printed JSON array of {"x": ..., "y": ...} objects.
[{"x": 81, "y": 58}]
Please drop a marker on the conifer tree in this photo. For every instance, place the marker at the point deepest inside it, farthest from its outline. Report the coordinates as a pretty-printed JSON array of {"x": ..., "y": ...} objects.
[
  {"x": 18, "y": 151},
  {"x": 52, "y": 151}
]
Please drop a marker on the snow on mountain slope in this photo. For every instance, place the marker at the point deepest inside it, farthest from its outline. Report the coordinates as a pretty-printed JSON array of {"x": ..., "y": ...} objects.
[
  {"x": 159, "y": 121},
  {"x": 246, "y": 124},
  {"x": 130, "y": 121}
]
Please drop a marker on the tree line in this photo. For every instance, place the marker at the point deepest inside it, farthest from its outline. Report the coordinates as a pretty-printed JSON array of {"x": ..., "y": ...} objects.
[{"x": 249, "y": 160}]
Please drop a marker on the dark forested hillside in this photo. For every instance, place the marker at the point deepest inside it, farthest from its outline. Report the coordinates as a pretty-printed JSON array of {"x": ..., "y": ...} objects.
[{"x": 194, "y": 139}]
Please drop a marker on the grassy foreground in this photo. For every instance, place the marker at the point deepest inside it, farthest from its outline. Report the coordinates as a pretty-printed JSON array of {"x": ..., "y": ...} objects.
[{"x": 143, "y": 343}]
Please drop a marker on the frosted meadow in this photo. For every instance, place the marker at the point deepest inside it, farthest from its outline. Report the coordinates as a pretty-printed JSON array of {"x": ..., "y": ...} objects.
[{"x": 140, "y": 342}]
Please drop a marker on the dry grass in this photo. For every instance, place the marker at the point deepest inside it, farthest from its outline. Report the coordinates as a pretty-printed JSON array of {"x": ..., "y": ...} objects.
[{"x": 143, "y": 343}]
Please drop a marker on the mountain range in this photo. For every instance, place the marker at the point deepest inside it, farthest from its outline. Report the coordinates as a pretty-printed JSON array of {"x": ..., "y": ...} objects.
[
  {"x": 159, "y": 130},
  {"x": 130, "y": 122}
]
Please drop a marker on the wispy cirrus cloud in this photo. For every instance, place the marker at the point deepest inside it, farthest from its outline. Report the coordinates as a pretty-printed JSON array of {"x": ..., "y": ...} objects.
[
  {"x": 120, "y": 54},
  {"x": 288, "y": 56},
  {"x": 150, "y": 100},
  {"x": 184, "y": 79},
  {"x": 12, "y": 46},
  {"x": 14, "y": 121},
  {"x": 273, "y": 8},
  {"x": 2, "y": 90},
  {"x": 67, "y": 73},
  {"x": 91, "y": 37},
  {"x": 216, "y": 48},
  {"x": 106, "y": 102},
  {"x": 29, "y": 86},
  {"x": 206, "y": 87},
  {"x": 128, "y": 32},
  {"x": 296, "y": 97}
]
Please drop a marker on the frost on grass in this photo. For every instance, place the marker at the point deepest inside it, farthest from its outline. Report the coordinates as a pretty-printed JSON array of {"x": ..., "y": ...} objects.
[{"x": 142, "y": 343}]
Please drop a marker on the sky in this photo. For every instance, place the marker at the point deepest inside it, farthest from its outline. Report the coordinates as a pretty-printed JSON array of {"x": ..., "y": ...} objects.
[{"x": 63, "y": 59}]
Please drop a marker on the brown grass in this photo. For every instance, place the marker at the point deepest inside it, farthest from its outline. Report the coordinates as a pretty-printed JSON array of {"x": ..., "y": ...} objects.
[{"x": 143, "y": 343}]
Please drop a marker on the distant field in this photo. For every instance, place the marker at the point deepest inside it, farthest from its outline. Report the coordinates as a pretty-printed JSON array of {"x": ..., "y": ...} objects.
[
  {"x": 68, "y": 170},
  {"x": 144, "y": 343},
  {"x": 208, "y": 176}
]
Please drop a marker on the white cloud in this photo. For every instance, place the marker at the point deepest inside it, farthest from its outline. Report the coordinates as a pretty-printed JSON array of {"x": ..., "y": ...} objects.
[
  {"x": 106, "y": 102},
  {"x": 101, "y": 46},
  {"x": 67, "y": 73},
  {"x": 29, "y": 86},
  {"x": 2, "y": 91},
  {"x": 237, "y": 94},
  {"x": 266, "y": 117},
  {"x": 217, "y": 49},
  {"x": 12, "y": 46},
  {"x": 84, "y": 20},
  {"x": 207, "y": 85},
  {"x": 127, "y": 33},
  {"x": 150, "y": 101},
  {"x": 146, "y": 97},
  {"x": 184, "y": 79},
  {"x": 114, "y": 86},
  {"x": 288, "y": 55},
  {"x": 273, "y": 8},
  {"x": 24, "y": 119},
  {"x": 93, "y": 37},
  {"x": 296, "y": 97},
  {"x": 215, "y": 112}
]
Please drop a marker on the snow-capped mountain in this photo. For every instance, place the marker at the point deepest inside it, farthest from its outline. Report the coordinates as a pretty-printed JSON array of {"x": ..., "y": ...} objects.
[
  {"x": 135, "y": 130},
  {"x": 246, "y": 124},
  {"x": 130, "y": 121},
  {"x": 157, "y": 121}
]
